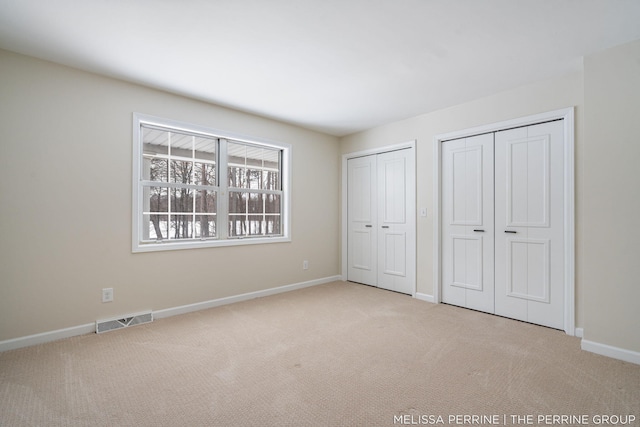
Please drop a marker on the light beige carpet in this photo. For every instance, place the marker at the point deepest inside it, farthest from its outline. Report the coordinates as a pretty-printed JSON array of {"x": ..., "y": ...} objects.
[{"x": 339, "y": 354}]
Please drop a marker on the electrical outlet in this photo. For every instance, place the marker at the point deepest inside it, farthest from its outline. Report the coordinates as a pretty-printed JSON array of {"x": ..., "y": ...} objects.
[
  {"x": 107, "y": 294},
  {"x": 305, "y": 265}
]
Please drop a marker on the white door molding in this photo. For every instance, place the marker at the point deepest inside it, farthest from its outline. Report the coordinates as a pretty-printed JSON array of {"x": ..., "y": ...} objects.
[
  {"x": 566, "y": 114},
  {"x": 344, "y": 199}
]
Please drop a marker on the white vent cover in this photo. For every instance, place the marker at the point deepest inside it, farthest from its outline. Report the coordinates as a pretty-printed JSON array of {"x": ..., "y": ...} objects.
[{"x": 130, "y": 320}]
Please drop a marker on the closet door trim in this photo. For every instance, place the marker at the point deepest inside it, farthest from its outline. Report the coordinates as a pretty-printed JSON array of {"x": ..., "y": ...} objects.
[{"x": 566, "y": 114}]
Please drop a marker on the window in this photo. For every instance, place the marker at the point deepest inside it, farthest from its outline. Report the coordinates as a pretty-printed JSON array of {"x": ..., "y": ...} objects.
[
  {"x": 198, "y": 187},
  {"x": 255, "y": 195}
]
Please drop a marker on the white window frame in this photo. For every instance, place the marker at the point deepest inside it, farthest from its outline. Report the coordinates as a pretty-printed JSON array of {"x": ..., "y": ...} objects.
[{"x": 138, "y": 245}]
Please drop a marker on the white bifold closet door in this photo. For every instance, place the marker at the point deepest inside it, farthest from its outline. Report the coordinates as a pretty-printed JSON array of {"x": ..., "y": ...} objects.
[
  {"x": 530, "y": 224},
  {"x": 467, "y": 201},
  {"x": 503, "y": 228},
  {"x": 381, "y": 218}
]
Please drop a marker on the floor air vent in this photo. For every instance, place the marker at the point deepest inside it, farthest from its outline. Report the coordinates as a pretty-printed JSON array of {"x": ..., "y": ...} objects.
[{"x": 112, "y": 324}]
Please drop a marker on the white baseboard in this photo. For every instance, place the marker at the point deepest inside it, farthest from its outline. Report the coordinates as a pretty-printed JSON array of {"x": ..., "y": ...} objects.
[
  {"x": 88, "y": 328},
  {"x": 168, "y": 312},
  {"x": 424, "y": 297},
  {"x": 610, "y": 351},
  {"x": 44, "y": 337},
  {"x": 579, "y": 332}
]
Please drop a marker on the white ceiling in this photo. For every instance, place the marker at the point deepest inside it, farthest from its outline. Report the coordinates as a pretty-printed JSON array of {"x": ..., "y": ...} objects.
[{"x": 337, "y": 66}]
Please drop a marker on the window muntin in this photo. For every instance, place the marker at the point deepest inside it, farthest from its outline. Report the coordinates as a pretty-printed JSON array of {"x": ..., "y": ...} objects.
[{"x": 203, "y": 188}]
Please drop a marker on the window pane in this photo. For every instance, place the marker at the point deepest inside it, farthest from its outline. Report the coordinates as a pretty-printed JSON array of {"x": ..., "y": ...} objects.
[
  {"x": 237, "y": 213},
  {"x": 154, "y": 169},
  {"x": 237, "y": 202},
  {"x": 271, "y": 180},
  {"x": 204, "y": 174},
  {"x": 236, "y": 153},
  {"x": 272, "y": 203},
  {"x": 254, "y": 156},
  {"x": 254, "y": 214},
  {"x": 272, "y": 224},
  {"x": 155, "y": 148},
  {"x": 237, "y": 225},
  {"x": 255, "y": 226},
  {"x": 237, "y": 177},
  {"x": 155, "y": 141},
  {"x": 206, "y": 201},
  {"x": 253, "y": 167},
  {"x": 156, "y": 199},
  {"x": 181, "y": 172},
  {"x": 156, "y": 226},
  {"x": 181, "y": 227},
  {"x": 254, "y": 178},
  {"x": 181, "y": 144},
  {"x": 255, "y": 203},
  {"x": 271, "y": 158},
  {"x": 181, "y": 200},
  {"x": 205, "y": 226},
  {"x": 205, "y": 148}
]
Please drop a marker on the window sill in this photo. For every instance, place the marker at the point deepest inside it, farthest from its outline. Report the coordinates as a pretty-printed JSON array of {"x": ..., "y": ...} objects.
[{"x": 195, "y": 244}]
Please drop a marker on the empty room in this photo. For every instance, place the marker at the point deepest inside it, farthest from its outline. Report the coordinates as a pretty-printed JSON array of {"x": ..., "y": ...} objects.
[{"x": 319, "y": 213}]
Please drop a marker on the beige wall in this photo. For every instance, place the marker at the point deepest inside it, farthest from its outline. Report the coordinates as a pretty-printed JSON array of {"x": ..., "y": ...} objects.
[
  {"x": 65, "y": 204},
  {"x": 610, "y": 262},
  {"x": 528, "y": 100}
]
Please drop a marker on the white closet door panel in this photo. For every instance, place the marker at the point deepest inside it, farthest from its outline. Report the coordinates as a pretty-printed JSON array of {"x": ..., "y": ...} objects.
[
  {"x": 467, "y": 262},
  {"x": 362, "y": 219},
  {"x": 395, "y": 254},
  {"x": 529, "y": 200},
  {"x": 392, "y": 173},
  {"x": 467, "y": 188},
  {"x": 396, "y": 213},
  {"x": 361, "y": 202},
  {"x": 467, "y": 200},
  {"x": 361, "y": 251},
  {"x": 527, "y": 182},
  {"x": 527, "y": 266}
]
